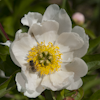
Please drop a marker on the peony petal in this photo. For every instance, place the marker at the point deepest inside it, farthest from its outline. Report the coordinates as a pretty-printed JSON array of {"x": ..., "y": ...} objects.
[
  {"x": 71, "y": 40},
  {"x": 47, "y": 83},
  {"x": 20, "y": 82},
  {"x": 67, "y": 57},
  {"x": 39, "y": 29},
  {"x": 47, "y": 37},
  {"x": 78, "y": 66},
  {"x": 54, "y": 13},
  {"x": 61, "y": 79},
  {"x": 19, "y": 49},
  {"x": 7, "y": 43},
  {"x": 75, "y": 85},
  {"x": 36, "y": 93},
  {"x": 33, "y": 80},
  {"x": 31, "y": 18},
  {"x": 82, "y": 51}
]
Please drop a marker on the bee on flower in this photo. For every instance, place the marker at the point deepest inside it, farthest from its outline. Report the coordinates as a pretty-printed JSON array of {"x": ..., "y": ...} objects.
[{"x": 52, "y": 50}]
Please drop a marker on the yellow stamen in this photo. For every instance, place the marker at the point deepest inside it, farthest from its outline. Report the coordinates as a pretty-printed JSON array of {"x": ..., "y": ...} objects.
[{"x": 47, "y": 58}]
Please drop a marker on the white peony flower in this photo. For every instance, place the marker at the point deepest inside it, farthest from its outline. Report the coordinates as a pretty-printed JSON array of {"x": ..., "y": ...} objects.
[{"x": 50, "y": 53}]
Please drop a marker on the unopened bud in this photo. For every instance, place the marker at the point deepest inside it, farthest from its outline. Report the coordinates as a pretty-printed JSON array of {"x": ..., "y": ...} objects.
[
  {"x": 78, "y": 18},
  {"x": 68, "y": 98}
]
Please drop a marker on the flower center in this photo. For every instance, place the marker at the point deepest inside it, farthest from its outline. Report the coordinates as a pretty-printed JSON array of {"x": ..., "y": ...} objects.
[{"x": 46, "y": 59}]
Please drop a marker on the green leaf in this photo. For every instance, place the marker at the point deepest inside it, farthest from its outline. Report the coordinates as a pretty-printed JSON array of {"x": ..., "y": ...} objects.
[
  {"x": 48, "y": 95},
  {"x": 88, "y": 78},
  {"x": 8, "y": 3},
  {"x": 59, "y": 97},
  {"x": 95, "y": 96},
  {"x": 90, "y": 33},
  {"x": 3, "y": 87},
  {"x": 41, "y": 97},
  {"x": 68, "y": 93},
  {"x": 90, "y": 58},
  {"x": 4, "y": 51},
  {"x": 91, "y": 84},
  {"x": 8, "y": 85},
  {"x": 80, "y": 94},
  {"x": 22, "y": 8},
  {"x": 93, "y": 44},
  {"x": 93, "y": 65},
  {"x": 9, "y": 25}
]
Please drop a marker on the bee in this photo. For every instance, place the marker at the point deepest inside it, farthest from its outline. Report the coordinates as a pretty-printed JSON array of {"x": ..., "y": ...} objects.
[{"x": 32, "y": 66}]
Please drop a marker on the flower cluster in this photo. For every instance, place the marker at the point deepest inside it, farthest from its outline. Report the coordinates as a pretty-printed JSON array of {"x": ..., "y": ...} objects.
[{"x": 50, "y": 53}]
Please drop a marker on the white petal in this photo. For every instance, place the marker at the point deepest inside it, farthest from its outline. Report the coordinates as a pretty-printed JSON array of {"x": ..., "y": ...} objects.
[
  {"x": 54, "y": 13},
  {"x": 19, "y": 49},
  {"x": 67, "y": 57},
  {"x": 46, "y": 26},
  {"x": 20, "y": 82},
  {"x": 36, "y": 93},
  {"x": 61, "y": 79},
  {"x": 31, "y": 18},
  {"x": 82, "y": 51},
  {"x": 7, "y": 43},
  {"x": 78, "y": 66},
  {"x": 71, "y": 40},
  {"x": 47, "y": 37},
  {"x": 75, "y": 85},
  {"x": 47, "y": 83},
  {"x": 33, "y": 80}
]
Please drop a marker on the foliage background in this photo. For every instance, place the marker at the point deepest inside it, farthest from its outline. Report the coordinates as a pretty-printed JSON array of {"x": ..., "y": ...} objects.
[{"x": 11, "y": 11}]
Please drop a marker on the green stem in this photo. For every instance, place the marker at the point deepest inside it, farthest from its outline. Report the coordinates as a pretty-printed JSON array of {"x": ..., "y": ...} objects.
[{"x": 64, "y": 4}]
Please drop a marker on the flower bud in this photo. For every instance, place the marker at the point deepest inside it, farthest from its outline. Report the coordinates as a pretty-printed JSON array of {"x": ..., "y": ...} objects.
[
  {"x": 78, "y": 18},
  {"x": 68, "y": 98}
]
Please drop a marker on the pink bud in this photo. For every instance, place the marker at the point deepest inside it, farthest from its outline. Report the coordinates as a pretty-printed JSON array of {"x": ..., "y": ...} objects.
[
  {"x": 68, "y": 98},
  {"x": 78, "y": 18}
]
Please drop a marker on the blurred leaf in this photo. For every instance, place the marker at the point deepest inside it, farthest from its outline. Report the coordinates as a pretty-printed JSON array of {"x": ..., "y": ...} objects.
[
  {"x": 4, "y": 50},
  {"x": 41, "y": 97},
  {"x": 90, "y": 58},
  {"x": 93, "y": 44},
  {"x": 68, "y": 93},
  {"x": 7, "y": 86},
  {"x": 8, "y": 66},
  {"x": 91, "y": 84},
  {"x": 8, "y": 3},
  {"x": 95, "y": 96},
  {"x": 9, "y": 25},
  {"x": 90, "y": 33},
  {"x": 59, "y": 97},
  {"x": 3, "y": 87},
  {"x": 80, "y": 94},
  {"x": 22, "y": 7},
  {"x": 48, "y": 95},
  {"x": 93, "y": 65},
  {"x": 88, "y": 78}
]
